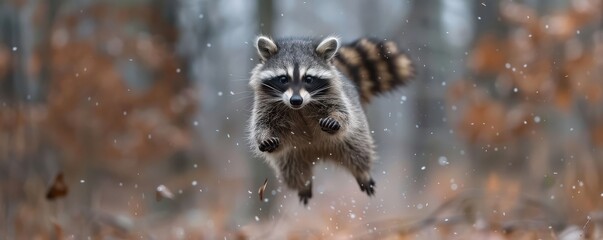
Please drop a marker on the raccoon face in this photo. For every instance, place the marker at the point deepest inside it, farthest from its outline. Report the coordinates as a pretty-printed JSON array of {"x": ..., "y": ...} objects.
[{"x": 294, "y": 72}]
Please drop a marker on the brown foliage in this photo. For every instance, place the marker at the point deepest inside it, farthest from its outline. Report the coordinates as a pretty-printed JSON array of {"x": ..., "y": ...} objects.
[
  {"x": 90, "y": 106},
  {"x": 5, "y": 61},
  {"x": 58, "y": 188},
  {"x": 483, "y": 119},
  {"x": 597, "y": 135},
  {"x": 489, "y": 55},
  {"x": 110, "y": 96},
  {"x": 544, "y": 70},
  {"x": 531, "y": 70}
]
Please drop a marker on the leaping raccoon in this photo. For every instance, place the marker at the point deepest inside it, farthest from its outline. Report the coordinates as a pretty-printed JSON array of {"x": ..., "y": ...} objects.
[{"x": 305, "y": 111}]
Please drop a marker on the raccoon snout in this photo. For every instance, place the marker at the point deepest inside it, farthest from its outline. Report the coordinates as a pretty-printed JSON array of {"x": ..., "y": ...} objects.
[{"x": 296, "y": 100}]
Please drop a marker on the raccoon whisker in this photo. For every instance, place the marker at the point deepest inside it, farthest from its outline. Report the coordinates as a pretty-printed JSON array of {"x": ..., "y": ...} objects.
[
  {"x": 270, "y": 87},
  {"x": 241, "y": 92},
  {"x": 315, "y": 102},
  {"x": 323, "y": 87},
  {"x": 270, "y": 100},
  {"x": 324, "y": 98},
  {"x": 244, "y": 98},
  {"x": 320, "y": 89},
  {"x": 320, "y": 103},
  {"x": 239, "y": 80},
  {"x": 275, "y": 90}
]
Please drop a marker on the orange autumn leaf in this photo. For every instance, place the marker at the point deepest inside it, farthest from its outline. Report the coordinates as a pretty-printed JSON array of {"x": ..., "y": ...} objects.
[
  {"x": 563, "y": 99},
  {"x": 561, "y": 26},
  {"x": 563, "y": 95},
  {"x": 580, "y": 69},
  {"x": 585, "y": 11},
  {"x": 5, "y": 61},
  {"x": 535, "y": 80},
  {"x": 483, "y": 120},
  {"x": 597, "y": 135},
  {"x": 34, "y": 65},
  {"x": 458, "y": 90},
  {"x": 593, "y": 92},
  {"x": 522, "y": 49},
  {"x": 262, "y": 189},
  {"x": 518, "y": 119},
  {"x": 58, "y": 188},
  {"x": 518, "y": 13},
  {"x": 488, "y": 55}
]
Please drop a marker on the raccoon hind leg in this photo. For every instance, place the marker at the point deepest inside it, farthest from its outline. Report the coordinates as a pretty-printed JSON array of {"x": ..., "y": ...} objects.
[
  {"x": 367, "y": 186},
  {"x": 297, "y": 174},
  {"x": 358, "y": 157}
]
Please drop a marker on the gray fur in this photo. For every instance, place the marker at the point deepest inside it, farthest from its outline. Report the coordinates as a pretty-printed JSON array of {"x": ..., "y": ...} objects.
[{"x": 302, "y": 141}]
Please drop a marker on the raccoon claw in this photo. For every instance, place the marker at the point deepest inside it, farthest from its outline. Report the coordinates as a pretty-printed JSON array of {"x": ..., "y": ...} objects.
[
  {"x": 367, "y": 186},
  {"x": 269, "y": 144},
  {"x": 304, "y": 196},
  {"x": 329, "y": 125}
]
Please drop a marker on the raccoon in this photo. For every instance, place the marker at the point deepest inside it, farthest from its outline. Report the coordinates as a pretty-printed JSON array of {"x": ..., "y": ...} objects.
[{"x": 308, "y": 104}]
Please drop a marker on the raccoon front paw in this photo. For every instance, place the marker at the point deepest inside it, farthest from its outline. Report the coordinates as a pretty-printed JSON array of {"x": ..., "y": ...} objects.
[
  {"x": 367, "y": 186},
  {"x": 304, "y": 196},
  {"x": 269, "y": 144},
  {"x": 329, "y": 125}
]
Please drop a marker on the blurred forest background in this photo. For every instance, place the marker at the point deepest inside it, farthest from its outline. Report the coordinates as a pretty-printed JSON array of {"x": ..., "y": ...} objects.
[{"x": 103, "y": 103}]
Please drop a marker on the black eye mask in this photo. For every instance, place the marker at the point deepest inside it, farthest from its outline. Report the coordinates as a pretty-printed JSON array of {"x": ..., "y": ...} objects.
[
  {"x": 276, "y": 85},
  {"x": 315, "y": 86}
]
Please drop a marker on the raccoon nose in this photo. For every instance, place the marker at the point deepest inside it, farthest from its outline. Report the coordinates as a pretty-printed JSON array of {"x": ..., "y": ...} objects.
[{"x": 296, "y": 100}]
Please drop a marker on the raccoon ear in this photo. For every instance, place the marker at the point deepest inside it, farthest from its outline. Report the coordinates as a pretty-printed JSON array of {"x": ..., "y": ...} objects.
[
  {"x": 328, "y": 48},
  {"x": 266, "y": 47}
]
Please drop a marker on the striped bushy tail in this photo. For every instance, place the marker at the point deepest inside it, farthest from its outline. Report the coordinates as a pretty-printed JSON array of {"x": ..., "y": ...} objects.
[{"x": 375, "y": 66}]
